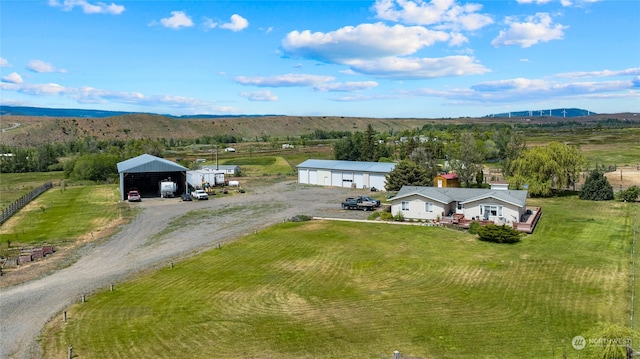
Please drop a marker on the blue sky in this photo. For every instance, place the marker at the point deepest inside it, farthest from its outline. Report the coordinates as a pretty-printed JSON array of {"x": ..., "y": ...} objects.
[{"x": 384, "y": 58}]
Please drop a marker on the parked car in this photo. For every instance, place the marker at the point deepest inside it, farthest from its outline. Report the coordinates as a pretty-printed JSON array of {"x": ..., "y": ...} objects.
[
  {"x": 134, "y": 196},
  {"x": 186, "y": 197},
  {"x": 199, "y": 194}
]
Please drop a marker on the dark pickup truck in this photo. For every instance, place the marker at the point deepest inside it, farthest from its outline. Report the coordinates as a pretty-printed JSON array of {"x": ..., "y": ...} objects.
[{"x": 364, "y": 203}]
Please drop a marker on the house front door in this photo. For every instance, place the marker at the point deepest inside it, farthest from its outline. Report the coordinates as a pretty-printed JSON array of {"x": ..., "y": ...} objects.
[{"x": 460, "y": 208}]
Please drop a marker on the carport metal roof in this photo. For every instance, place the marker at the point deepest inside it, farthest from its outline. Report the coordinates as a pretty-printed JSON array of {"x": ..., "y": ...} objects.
[
  {"x": 356, "y": 166},
  {"x": 148, "y": 163}
]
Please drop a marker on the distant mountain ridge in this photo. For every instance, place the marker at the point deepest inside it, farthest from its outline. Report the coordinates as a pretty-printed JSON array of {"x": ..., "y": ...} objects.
[
  {"x": 558, "y": 112},
  {"x": 73, "y": 112}
]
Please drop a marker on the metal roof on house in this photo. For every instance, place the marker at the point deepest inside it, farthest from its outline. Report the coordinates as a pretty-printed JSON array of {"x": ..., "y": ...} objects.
[
  {"x": 149, "y": 163},
  {"x": 356, "y": 166},
  {"x": 464, "y": 195}
]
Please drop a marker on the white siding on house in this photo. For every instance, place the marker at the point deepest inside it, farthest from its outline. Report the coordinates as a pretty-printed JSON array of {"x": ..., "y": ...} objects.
[
  {"x": 417, "y": 208},
  {"x": 510, "y": 213}
]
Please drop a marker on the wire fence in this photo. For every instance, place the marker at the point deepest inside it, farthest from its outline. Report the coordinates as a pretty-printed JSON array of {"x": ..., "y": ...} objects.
[
  {"x": 633, "y": 265},
  {"x": 22, "y": 201}
]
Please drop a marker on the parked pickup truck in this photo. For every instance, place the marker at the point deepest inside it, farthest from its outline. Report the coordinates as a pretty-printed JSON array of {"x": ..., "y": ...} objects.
[
  {"x": 360, "y": 203},
  {"x": 199, "y": 194}
]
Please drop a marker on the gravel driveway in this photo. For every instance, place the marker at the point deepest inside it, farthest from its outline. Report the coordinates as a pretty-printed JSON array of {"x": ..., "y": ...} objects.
[{"x": 25, "y": 308}]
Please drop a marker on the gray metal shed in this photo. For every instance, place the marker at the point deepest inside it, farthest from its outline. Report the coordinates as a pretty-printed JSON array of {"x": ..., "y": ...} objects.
[
  {"x": 351, "y": 174},
  {"x": 145, "y": 172}
]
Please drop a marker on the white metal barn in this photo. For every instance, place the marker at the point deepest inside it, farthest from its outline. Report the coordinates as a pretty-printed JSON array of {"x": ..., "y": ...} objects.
[{"x": 351, "y": 174}]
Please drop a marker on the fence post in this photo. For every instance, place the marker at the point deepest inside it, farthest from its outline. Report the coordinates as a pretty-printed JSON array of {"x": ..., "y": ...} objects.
[
  {"x": 70, "y": 352},
  {"x": 396, "y": 354}
]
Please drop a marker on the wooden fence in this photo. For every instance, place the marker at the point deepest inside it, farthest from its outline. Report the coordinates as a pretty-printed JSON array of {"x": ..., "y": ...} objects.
[{"x": 22, "y": 201}]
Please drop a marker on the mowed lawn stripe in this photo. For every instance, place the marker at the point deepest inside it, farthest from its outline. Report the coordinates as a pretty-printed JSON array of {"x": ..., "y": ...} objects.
[{"x": 326, "y": 289}]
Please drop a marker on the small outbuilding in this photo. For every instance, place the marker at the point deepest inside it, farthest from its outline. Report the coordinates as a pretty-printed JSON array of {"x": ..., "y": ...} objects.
[
  {"x": 145, "y": 172},
  {"x": 446, "y": 180},
  {"x": 232, "y": 170},
  {"x": 350, "y": 174}
]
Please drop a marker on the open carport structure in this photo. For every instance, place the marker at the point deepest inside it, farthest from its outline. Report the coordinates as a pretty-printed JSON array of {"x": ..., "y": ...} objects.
[
  {"x": 145, "y": 172},
  {"x": 351, "y": 174}
]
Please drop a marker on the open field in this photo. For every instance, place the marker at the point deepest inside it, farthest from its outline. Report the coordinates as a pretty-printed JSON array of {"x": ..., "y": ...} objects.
[
  {"x": 325, "y": 289},
  {"x": 604, "y": 147},
  {"x": 15, "y": 185},
  {"x": 64, "y": 214}
]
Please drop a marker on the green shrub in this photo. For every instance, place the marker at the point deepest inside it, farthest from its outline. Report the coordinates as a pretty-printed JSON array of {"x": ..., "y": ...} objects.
[
  {"x": 399, "y": 217},
  {"x": 473, "y": 227},
  {"x": 630, "y": 194},
  {"x": 499, "y": 234},
  {"x": 386, "y": 216}
]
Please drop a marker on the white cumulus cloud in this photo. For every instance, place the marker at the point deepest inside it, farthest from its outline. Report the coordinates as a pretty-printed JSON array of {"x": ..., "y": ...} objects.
[
  {"x": 362, "y": 41},
  {"x": 382, "y": 50},
  {"x": 4, "y": 62},
  {"x": 88, "y": 8},
  {"x": 443, "y": 14},
  {"x": 13, "y": 78},
  {"x": 177, "y": 20},
  {"x": 40, "y": 66},
  {"x": 237, "y": 23},
  {"x": 535, "y": 29}
]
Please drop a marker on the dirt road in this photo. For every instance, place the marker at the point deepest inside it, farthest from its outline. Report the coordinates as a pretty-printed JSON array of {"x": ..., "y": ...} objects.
[{"x": 25, "y": 308}]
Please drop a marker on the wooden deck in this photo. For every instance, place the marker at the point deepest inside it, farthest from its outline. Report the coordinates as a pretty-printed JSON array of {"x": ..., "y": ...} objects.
[{"x": 528, "y": 226}]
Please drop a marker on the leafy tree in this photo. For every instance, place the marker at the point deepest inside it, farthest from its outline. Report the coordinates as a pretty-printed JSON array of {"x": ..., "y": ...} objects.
[
  {"x": 95, "y": 167},
  {"x": 511, "y": 150},
  {"x": 544, "y": 168},
  {"x": 466, "y": 159},
  {"x": 368, "y": 145},
  {"x": 406, "y": 173},
  {"x": 630, "y": 194},
  {"x": 499, "y": 234},
  {"x": 596, "y": 187},
  {"x": 426, "y": 160},
  {"x": 490, "y": 150}
]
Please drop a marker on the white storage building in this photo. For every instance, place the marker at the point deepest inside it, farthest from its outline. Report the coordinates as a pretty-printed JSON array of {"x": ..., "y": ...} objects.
[{"x": 350, "y": 174}]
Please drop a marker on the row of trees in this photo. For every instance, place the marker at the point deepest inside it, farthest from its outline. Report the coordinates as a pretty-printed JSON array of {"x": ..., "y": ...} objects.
[{"x": 541, "y": 170}]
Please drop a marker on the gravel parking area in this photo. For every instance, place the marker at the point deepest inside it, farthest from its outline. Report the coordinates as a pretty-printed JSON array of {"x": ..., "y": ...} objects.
[{"x": 25, "y": 308}]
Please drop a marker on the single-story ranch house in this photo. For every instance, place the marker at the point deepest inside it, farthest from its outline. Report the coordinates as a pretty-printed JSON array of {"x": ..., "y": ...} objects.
[
  {"x": 461, "y": 206},
  {"x": 351, "y": 174}
]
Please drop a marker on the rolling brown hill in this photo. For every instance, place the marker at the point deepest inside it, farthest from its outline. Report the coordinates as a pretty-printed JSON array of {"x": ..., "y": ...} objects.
[{"x": 27, "y": 130}]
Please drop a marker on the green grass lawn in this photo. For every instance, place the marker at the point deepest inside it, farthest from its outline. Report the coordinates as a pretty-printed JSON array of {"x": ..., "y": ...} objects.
[
  {"x": 326, "y": 289},
  {"x": 262, "y": 166},
  {"x": 15, "y": 185},
  {"x": 63, "y": 214}
]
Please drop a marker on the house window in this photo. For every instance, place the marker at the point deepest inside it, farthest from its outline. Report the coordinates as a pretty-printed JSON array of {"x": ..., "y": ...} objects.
[
  {"x": 490, "y": 211},
  {"x": 405, "y": 205},
  {"x": 428, "y": 207}
]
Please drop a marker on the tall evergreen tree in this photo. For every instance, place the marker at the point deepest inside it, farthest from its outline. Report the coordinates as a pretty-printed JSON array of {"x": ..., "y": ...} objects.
[{"x": 596, "y": 187}]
